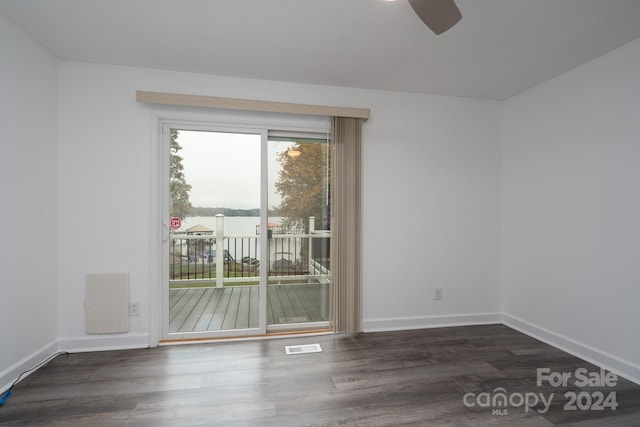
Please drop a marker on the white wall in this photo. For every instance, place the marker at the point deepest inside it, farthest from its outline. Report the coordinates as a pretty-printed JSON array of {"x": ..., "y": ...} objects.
[
  {"x": 571, "y": 206},
  {"x": 431, "y": 193},
  {"x": 431, "y": 214},
  {"x": 104, "y": 170},
  {"x": 28, "y": 217}
]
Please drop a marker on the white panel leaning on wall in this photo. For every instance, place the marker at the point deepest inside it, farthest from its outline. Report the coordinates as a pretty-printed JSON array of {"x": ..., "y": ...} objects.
[{"x": 107, "y": 303}]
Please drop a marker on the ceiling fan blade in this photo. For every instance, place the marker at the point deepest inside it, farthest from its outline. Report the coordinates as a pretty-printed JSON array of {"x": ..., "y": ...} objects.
[{"x": 439, "y": 15}]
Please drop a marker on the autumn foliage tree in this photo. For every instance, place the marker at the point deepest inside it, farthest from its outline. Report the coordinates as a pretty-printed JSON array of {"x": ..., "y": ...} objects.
[
  {"x": 178, "y": 187},
  {"x": 304, "y": 184}
]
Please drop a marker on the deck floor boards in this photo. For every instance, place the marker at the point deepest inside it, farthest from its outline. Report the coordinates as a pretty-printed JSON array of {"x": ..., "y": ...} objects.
[{"x": 236, "y": 307}]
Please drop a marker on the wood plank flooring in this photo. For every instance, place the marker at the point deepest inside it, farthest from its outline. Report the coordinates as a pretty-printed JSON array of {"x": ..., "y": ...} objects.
[
  {"x": 403, "y": 378},
  {"x": 236, "y": 307}
]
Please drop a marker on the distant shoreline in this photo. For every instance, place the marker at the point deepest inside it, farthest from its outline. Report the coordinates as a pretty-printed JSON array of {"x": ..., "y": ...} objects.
[{"x": 203, "y": 211}]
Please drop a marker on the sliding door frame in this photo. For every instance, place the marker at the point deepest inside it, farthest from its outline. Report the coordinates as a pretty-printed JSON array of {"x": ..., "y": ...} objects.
[{"x": 159, "y": 274}]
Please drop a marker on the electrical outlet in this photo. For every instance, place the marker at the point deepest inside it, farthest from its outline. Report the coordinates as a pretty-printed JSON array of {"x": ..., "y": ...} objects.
[
  {"x": 134, "y": 309},
  {"x": 438, "y": 294}
]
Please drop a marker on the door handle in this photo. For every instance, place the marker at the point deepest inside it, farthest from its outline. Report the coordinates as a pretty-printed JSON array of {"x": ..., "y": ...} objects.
[{"x": 165, "y": 232}]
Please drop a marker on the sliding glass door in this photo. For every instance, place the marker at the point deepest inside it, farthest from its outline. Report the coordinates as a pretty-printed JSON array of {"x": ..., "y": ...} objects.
[{"x": 248, "y": 232}]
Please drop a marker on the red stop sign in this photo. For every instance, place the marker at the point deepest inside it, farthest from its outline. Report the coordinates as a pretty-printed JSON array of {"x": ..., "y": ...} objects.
[{"x": 175, "y": 223}]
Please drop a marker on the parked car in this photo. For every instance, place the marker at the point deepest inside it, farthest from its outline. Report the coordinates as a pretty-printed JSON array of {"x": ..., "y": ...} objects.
[
  {"x": 211, "y": 257},
  {"x": 284, "y": 261},
  {"x": 251, "y": 262}
]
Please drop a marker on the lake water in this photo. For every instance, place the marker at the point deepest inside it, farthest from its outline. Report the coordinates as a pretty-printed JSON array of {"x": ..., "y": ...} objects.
[
  {"x": 237, "y": 226},
  {"x": 288, "y": 248}
]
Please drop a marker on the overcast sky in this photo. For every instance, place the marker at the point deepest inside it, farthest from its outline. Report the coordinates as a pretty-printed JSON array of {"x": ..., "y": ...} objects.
[{"x": 223, "y": 169}]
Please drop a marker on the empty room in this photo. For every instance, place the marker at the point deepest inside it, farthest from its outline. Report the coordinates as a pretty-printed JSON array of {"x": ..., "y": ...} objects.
[{"x": 320, "y": 212}]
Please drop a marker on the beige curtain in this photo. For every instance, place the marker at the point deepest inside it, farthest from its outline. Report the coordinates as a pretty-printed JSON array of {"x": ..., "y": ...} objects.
[{"x": 345, "y": 224}]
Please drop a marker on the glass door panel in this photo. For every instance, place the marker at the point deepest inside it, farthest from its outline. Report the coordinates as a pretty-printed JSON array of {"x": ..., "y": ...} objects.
[
  {"x": 299, "y": 232},
  {"x": 213, "y": 246}
]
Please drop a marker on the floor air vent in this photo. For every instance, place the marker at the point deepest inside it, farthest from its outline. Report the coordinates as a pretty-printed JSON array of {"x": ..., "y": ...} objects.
[{"x": 300, "y": 349}]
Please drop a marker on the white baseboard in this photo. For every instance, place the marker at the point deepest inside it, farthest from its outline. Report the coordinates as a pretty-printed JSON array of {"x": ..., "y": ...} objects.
[
  {"x": 71, "y": 345},
  {"x": 9, "y": 375},
  {"x": 88, "y": 343},
  {"x": 422, "y": 322},
  {"x": 600, "y": 358}
]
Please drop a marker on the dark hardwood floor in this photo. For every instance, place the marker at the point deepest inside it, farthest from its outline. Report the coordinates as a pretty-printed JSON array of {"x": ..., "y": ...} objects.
[{"x": 407, "y": 378}]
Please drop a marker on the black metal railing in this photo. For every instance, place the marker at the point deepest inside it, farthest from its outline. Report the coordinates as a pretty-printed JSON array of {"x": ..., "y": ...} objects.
[{"x": 196, "y": 257}]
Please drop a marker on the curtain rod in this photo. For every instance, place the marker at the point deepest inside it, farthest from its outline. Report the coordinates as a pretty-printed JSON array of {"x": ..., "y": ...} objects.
[{"x": 249, "y": 105}]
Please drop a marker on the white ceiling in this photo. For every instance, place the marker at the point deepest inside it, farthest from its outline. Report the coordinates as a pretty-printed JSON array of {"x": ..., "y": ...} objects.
[{"x": 498, "y": 49}]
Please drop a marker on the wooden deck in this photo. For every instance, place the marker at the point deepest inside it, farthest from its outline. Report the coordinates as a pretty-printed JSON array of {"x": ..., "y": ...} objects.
[{"x": 236, "y": 307}]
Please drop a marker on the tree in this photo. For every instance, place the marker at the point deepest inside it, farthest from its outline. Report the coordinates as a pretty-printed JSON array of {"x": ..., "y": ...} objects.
[
  {"x": 304, "y": 184},
  {"x": 180, "y": 204}
]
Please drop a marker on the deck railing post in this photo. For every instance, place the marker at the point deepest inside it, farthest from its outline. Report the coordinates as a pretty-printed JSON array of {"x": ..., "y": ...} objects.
[
  {"x": 312, "y": 227},
  {"x": 219, "y": 251}
]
